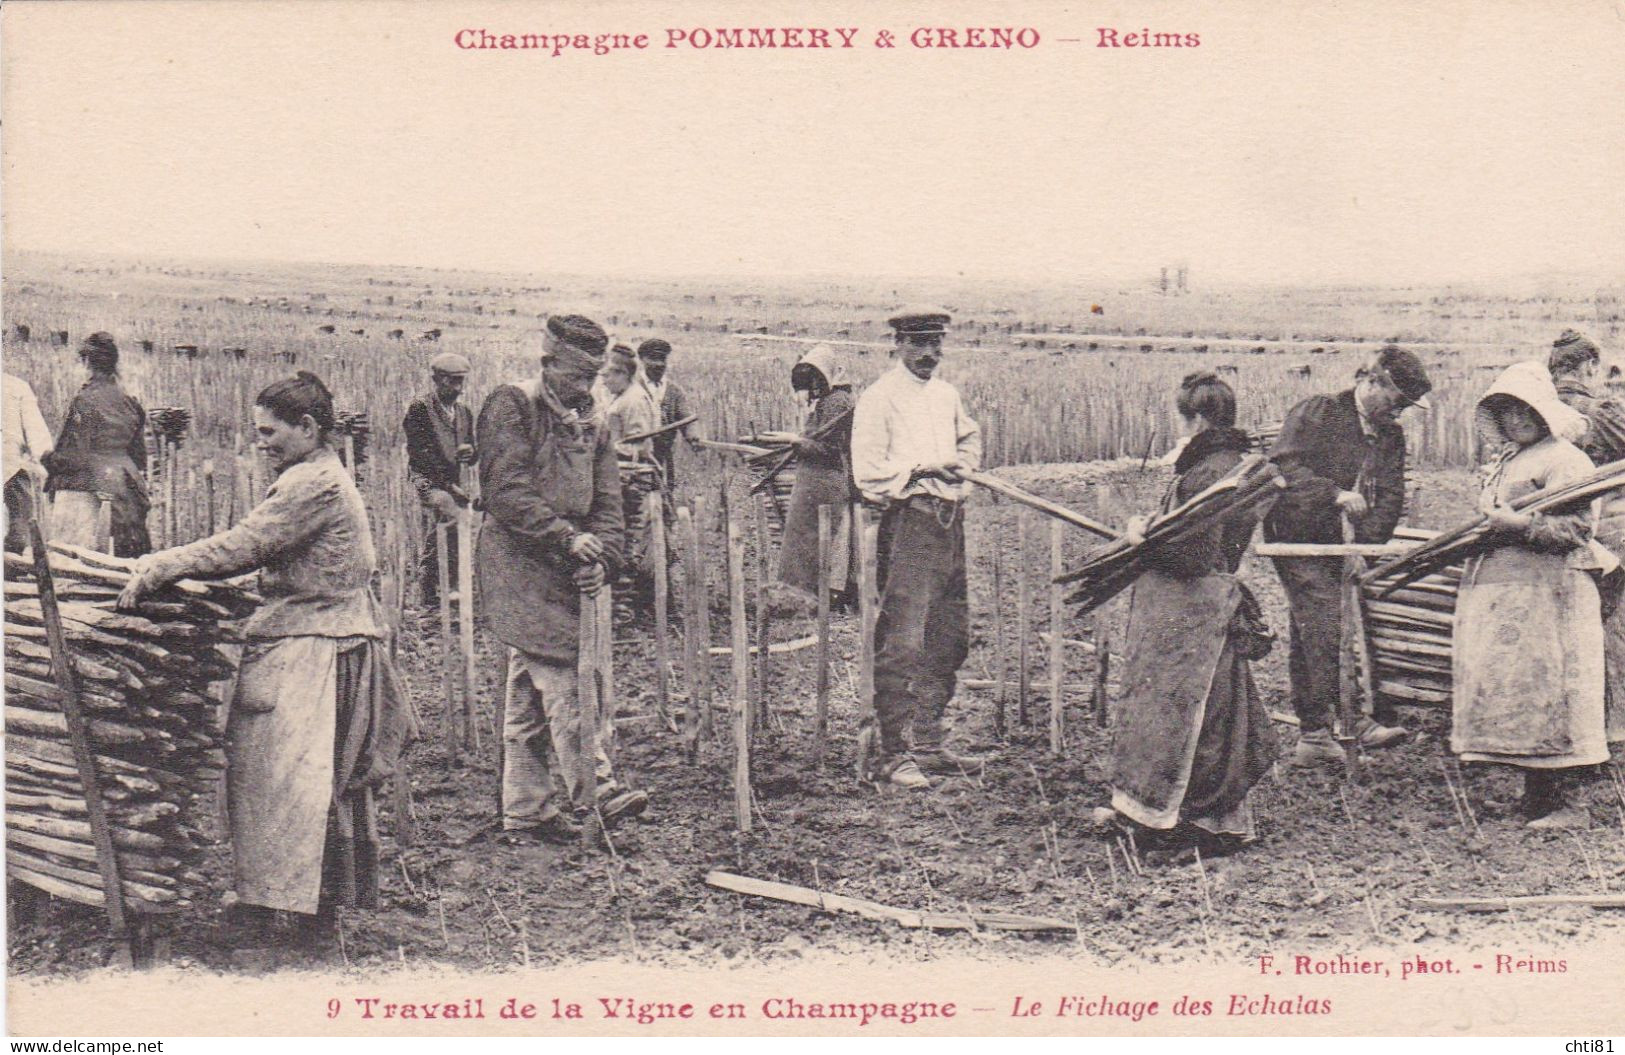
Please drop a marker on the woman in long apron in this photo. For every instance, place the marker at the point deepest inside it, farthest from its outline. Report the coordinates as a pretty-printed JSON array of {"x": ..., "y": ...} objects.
[
  {"x": 102, "y": 450},
  {"x": 1528, "y": 651},
  {"x": 823, "y": 475},
  {"x": 1192, "y": 736},
  {"x": 318, "y": 719}
]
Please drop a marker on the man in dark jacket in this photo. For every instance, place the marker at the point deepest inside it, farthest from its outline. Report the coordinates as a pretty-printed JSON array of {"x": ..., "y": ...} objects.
[
  {"x": 551, "y": 533},
  {"x": 439, "y": 442},
  {"x": 1343, "y": 457}
]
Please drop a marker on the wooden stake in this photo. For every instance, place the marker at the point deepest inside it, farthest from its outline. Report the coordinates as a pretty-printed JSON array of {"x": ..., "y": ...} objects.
[
  {"x": 1103, "y": 669},
  {"x": 868, "y": 535},
  {"x": 104, "y": 523},
  {"x": 465, "y": 616},
  {"x": 696, "y": 631},
  {"x": 1001, "y": 696},
  {"x": 67, "y": 680},
  {"x": 208, "y": 496},
  {"x": 741, "y": 667},
  {"x": 821, "y": 714},
  {"x": 1057, "y": 643},
  {"x": 606, "y": 668},
  {"x": 454, "y": 741},
  {"x": 1353, "y": 646},
  {"x": 172, "y": 535},
  {"x": 655, "y": 510},
  {"x": 587, "y": 685},
  {"x": 1023, "y": 613},
  {"x": 764, "y": 544}
]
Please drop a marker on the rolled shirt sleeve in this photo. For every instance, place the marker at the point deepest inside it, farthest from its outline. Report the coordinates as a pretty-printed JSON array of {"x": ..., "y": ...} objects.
[{"x": 298, "y": 506}]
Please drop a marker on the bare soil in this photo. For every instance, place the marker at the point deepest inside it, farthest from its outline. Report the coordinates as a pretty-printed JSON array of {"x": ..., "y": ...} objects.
[{"x": 1334, "y": 864}]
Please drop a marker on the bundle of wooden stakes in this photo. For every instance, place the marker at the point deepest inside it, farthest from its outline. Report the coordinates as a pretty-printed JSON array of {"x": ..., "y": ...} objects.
[
  {"x": 142, "y": 686},
  {"x": 1474, "y": 537},
  {"x": 1410, "y": 630},
  {"x": 1114, "y": 566},
  {"x": 773, "y": 475}
]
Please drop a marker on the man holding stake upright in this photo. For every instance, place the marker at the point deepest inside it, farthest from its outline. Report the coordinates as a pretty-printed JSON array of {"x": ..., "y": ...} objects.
[
  {"x": 552, "y": 531},
  {"x": 911, "y": 439},
  {"x": 439, "y": 442},
  {"x": 1343, "y": 457},
  {"x": 666, "y": 394}
]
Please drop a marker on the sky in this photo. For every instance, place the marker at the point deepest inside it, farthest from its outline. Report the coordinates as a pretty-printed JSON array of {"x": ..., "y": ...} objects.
[{"x": 1372, "y": 142}]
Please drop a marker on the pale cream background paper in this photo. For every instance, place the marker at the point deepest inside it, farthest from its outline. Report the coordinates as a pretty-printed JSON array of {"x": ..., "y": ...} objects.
[{"x": 1381, "y": 142}]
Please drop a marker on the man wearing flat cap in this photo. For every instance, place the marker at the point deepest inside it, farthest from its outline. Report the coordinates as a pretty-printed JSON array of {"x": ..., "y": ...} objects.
[
  {"x": 439, "y": 432},
  {"x": 1343, "y": 458},
  {"x": 911, "y": 439},
  {"x": 665, "y": 393},
  {"x": 552, "y": 532}
]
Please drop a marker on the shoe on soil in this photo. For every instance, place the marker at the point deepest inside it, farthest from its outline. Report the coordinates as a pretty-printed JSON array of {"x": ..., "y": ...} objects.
[
  {"x": 1105, "y": 819},
  {"x": 1373, "y": 736},
  {"x": 1565, "y": 817},
  {"x": 1316, "y": 747},
  {"x": 622, "y": 806},
  {"x": 943, "y": 761},
  {"x": 906, "y": 774},
  {"x": 558, "y": 830}
]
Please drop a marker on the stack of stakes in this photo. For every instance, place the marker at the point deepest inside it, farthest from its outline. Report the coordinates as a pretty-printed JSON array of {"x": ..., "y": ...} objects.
[
  {"x": 779, "y": 462},
  {"x": 1410, "y": 630},
  {"x": 1114, "y": 566},
  {"x": 1410, "y": 600},
  {"x": 153, "y": 728},
  {"x": 169, "y": 424},
  {"x": 355, "y": 428}
]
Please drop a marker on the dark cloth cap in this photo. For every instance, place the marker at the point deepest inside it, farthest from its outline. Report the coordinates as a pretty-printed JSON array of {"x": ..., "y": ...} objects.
[
  {"x": 623, "y": 356},
  {"x": 579, "y": 332},
  {"x": 920, "y": 318},
  {"x": 654, "y": 348},
  {"x": 1405, "y": 370}
]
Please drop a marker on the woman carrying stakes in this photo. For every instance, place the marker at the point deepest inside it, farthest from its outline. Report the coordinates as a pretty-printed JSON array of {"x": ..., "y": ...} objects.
[
  {"x": 1192, "y": 735},
  {"x": 823, "y": 475},
  {"x": 1528, "y": 648}
]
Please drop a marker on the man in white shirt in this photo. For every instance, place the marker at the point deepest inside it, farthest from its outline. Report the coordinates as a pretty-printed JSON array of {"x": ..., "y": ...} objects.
[
  {"x": 27, "y": 442},
  {"x": 911, "y": 439}
]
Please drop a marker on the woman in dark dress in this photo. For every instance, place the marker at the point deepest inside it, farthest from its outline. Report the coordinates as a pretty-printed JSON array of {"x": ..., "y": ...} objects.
[
  {"x": 102, "y": 450},
  {"x": 1192, "y": 736},
  {"x": 823, "y": 475}
]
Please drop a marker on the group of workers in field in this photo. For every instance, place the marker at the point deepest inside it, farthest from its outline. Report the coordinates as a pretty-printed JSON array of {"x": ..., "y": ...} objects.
[{"x": 1539, "y": 674}]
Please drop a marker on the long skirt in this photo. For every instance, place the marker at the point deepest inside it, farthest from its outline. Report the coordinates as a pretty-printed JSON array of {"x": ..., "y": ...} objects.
[
  {"x": 1528, "y": 663},
  {"x": 798, "y": 555},
  {"x": 315, "y": 725},
  {"x": 1192, "y": 737}
]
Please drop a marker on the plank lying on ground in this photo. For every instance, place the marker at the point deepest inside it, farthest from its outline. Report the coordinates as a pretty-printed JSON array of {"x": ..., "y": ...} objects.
[
  {"x": 777, "y": 648},
  {"x": 1506, "y": 904},
  {"x": 800, "y": 895}
]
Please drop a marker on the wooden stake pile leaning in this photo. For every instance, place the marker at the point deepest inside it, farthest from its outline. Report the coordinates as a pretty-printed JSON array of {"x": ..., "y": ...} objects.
[
  {"x": 153, "y": 729},
  {"x": 1410, "y": 631}
]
